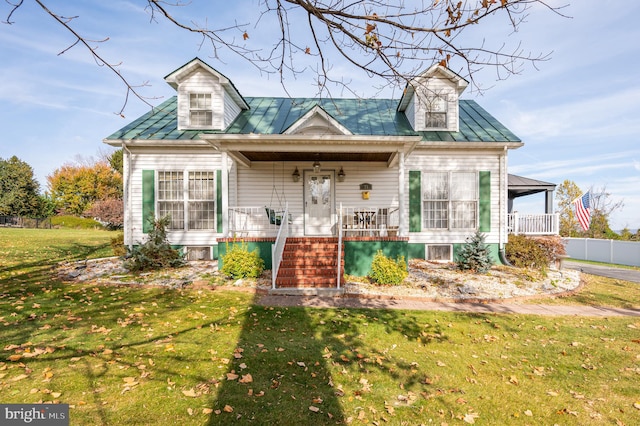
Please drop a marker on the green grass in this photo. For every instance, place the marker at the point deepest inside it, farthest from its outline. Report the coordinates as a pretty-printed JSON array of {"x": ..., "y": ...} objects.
[
  {"x": 74, "y": 222},
  {"x": 124, "y": 355}
]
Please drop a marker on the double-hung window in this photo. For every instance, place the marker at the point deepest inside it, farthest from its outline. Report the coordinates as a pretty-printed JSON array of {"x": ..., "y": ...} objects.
[
  {"x": 189, "y": 195},
  {"x": 436, "y": 114},
  {"x": 200, "y": 112},
  {"x": 450, "y": 200},
  {"x": 202, "y": 196}
]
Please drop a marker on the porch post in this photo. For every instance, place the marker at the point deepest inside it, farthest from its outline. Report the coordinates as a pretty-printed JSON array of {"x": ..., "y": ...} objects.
[
  {"x": 548, "y": 205},
  {"x": 402, "y": 210},
  {"x": 225, "y": 194}
]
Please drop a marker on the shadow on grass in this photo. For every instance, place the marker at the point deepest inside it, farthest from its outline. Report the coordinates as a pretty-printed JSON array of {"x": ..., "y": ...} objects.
[{"x": 290, "y": 363}]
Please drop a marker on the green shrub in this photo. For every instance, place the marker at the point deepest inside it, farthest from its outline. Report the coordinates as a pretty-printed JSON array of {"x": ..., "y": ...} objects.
[
  {"x": 74, "y": 222},
  {"x": 385, "y": 270},
  {"x": 117, "y": 245},
  {"x": 239, "y": 262},
  {"x": 156, "y": 253},
  {"x": 533, "y": 252},
  {"x": 475, "y": 256}
]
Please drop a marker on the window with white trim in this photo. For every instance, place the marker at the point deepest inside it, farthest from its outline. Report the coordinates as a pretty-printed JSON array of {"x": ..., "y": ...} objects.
[
  {"x": 200, "y": 110},
  {"x": 436, "y": 114},
  {"x": 450, "y": 200},
  {"x": 202, "y": 196},
  {"x": 190, "y": 195}
]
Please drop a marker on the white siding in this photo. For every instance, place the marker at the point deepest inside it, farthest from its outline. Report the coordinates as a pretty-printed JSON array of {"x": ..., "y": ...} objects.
[
  {"x": 256, "y": 187},
  {"x": 231, "y": 110},
  {"x": 200, "y": 82},
  {"x": 410, "y": 112},
  {"x": 429, "y": 88},
  {"x": 468, "y": 161},
  {"x": 170, "y": 160}
]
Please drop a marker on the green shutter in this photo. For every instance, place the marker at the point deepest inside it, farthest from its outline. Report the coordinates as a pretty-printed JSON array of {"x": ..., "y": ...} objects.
[
  {"x": 219, "y": 200},
  {"x": 485, "y": 201},
  {"x": 148, "y": 199},
  {"x": 415, "y": 201}
]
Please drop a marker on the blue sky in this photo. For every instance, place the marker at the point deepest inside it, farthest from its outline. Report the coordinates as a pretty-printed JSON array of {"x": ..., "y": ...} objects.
[{"x": 577, "y": 113}]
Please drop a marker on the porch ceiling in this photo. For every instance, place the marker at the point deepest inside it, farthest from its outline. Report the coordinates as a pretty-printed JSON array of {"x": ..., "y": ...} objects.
[{"x": 320, "y": 156}]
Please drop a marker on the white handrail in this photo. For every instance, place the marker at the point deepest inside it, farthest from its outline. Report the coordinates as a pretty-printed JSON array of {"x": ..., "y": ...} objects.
[
  {"x": 339, "y": 245},
  {"x": 533, "y": 224},
  {"x": 278, "y": 247}
]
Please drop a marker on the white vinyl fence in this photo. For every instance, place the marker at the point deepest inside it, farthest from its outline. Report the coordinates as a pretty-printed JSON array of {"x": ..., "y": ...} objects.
[{"x": 608, "y": 251}]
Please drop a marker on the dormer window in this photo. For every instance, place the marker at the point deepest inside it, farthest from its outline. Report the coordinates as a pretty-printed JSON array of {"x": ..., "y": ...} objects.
[
  {"x": 436, "y": 114},
  {"x": 200, "y": 113}
]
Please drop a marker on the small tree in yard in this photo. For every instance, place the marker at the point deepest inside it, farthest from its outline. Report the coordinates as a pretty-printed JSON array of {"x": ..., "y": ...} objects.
[
  {"x": 156, "y": 253},
  {"x": 475, "y": 255}
]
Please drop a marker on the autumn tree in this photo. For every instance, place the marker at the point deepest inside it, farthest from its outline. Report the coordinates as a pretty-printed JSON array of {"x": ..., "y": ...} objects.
[
  {"x": 566, "y": 192},
  {"x": 389, "y": 40},
  {"x": 602, "y": 206},
  {"x": 74, "y": 187},
  {"x": 19, "y": 189}
]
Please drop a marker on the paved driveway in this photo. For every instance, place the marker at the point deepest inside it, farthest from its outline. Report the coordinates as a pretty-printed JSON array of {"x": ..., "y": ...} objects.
[{"x": 605, "y": 271}]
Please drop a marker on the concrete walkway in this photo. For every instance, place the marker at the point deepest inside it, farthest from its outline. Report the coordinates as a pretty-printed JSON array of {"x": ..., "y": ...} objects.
[
  {"x": 484, "y": 308},
  {"x": 508, "y": 307}
]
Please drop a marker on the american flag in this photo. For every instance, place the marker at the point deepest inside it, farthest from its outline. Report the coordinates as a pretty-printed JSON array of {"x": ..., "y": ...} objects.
[{"x": 582, "y": 205}]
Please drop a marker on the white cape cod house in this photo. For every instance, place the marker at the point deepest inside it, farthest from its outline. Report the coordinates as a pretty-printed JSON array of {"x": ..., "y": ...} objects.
[{"x": 308, "y": 181}]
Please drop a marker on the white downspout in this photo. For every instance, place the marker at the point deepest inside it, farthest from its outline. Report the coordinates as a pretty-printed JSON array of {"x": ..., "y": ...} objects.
[
  {"x": 128, "y": 230},
  {"x": 402, "y": 226}
]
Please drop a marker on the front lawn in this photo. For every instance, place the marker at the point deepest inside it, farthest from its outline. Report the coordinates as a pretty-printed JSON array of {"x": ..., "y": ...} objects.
[{"x": 126, "y": 355}]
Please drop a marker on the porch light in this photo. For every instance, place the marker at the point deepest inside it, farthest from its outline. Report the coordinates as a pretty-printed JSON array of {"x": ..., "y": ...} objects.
[
  {"x": 341, "y": 175},
  {"x": 316, "y": 166},
  {"x": 295, "y": 175}
]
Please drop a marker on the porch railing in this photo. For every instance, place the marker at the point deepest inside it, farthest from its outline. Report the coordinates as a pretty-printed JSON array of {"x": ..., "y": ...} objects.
[
  {"x": 255, "y": 221},
  {"x": 278, "y": 247},
  {"x": 370, "y": 221},
  {"x": 533, "y": 224}
]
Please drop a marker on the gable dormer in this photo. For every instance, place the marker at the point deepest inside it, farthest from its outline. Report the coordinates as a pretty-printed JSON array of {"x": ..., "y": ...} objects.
[
  {"x": 207, "y": 100},
  {"x": 317, "y": 122},
  {"x": 430, "y": 100}
]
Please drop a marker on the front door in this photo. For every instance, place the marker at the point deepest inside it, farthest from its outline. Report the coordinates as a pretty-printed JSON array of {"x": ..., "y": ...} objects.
[{"x": 318, "y": 203}]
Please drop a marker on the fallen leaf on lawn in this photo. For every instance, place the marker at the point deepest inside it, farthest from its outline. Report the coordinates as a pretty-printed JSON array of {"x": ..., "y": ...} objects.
[
  {"x": 552, "y": 393},
  {"x": 300, "y": 364},
  {"x": 56, "y": 394},
  {"x": 636, "y": 405},
  {"x": 169, "y": 348},
  {"x": 228, "y": 409},
  {"x": 441, "y": 364},
  {"x": 243, "y": 366},
  {"x": 191, "y": 393},
  {"x": 190, "y": 411},
  {"x": 470, "y": 418},
  {"x": 528, "y": 413},
  {"x": 232, "y": 376},
  {"x": 314, "y": 409},
  {"x": 246, "y": 379},
  {"x": 513, "y": 380},
  {"x": 207, "y": 411},
  {"x": 19, "y": 377},
  {"x": 14, "y": 358}
]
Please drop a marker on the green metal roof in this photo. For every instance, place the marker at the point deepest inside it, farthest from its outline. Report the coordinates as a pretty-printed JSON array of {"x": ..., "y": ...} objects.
[{"x": 376, "y": 117}]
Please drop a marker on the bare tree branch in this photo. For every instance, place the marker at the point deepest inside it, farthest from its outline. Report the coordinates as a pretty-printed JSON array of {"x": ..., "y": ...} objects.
[{"x": 391, "y": 41}]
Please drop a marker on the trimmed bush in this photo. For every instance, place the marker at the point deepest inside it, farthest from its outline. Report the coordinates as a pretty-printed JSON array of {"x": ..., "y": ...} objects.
[
  {"x": 239, "y": 262},
  {"x": 74, "y": 222},
  {"x": 533, "y": 252},
  {"x": 156, "y": 253},
  {"x": 475, "y": 256},
  {"x": 385, "y": 270}
]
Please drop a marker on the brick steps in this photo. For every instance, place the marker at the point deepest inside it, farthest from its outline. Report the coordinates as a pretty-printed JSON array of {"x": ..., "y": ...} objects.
[{"x": 309, "y": 263}]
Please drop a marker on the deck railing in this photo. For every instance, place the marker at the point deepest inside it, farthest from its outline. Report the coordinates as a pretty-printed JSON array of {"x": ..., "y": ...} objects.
[
  {"x": 533, "y": 224},
  {"x": 370, "y": 221},
  {"x": 255, "y": 221}
]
